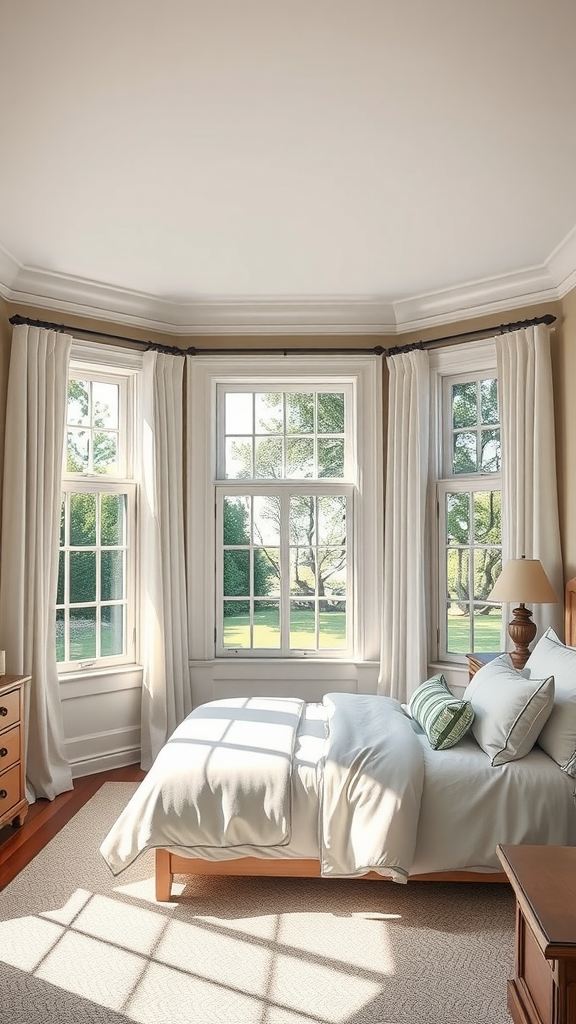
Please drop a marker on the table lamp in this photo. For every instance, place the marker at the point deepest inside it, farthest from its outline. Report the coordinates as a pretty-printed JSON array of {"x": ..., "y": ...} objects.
[{"x": 522, "y": 579}]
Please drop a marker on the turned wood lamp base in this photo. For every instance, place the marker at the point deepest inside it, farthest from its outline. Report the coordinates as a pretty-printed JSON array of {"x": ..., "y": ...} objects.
[
  {"x": 522, "y": 632},
  {"x": 525, "y": 578}
]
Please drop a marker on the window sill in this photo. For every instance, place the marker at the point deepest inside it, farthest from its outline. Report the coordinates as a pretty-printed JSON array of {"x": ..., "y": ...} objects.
[
  {"x": 98, "y": 670},
  {"x": 99, "y": 680},
  {"x": 456, "y": 674}
]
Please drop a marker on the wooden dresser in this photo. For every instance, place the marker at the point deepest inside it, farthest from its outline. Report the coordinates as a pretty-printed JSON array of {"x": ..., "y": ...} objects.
[
  {"x": 543, "y": 990},
  {"x": 13, "y": 802}
]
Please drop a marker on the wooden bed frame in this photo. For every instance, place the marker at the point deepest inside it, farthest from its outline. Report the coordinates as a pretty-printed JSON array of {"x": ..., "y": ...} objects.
[{"x": 170, "y": 864}]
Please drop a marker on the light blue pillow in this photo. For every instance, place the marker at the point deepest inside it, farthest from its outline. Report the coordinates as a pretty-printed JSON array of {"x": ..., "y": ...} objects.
[{"x": 444, "y": 718}]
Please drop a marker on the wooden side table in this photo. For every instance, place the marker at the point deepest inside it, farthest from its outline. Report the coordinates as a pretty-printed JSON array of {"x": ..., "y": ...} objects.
[
  {"x": 13, "y": 802},
  {"x": 543, "y": 990},
  {"x": 476, "y": 661}
]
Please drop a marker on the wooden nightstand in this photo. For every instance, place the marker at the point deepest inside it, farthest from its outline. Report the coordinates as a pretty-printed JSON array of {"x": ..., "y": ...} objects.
[
  {"x": 476, "y": 661},
  {"x": 13, "y": 802},
  {"x": 543, "y": 990}
]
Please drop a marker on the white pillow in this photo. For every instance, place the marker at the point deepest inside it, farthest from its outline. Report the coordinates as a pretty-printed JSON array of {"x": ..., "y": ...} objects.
[
  {"x": 509, "y": 709},
  {"x": 558, "y": 737}
]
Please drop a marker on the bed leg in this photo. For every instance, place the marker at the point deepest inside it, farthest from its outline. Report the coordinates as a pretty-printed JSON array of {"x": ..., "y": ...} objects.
[{"x": 164, "y": 876}]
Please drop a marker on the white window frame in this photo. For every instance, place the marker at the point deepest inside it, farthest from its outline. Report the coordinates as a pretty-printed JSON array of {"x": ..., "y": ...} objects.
[
  {"x": 284, "y": 486},
  {"x": 113, "y": 486},
  {"x": 456, "y": 363},
  {"x": 284, "y": 489},
  {"x": 363, "y": 374},
  {"x": 119, "y": 366},
  {"x": 349, "y": 447},
  {"x": 458, "y": 484}
]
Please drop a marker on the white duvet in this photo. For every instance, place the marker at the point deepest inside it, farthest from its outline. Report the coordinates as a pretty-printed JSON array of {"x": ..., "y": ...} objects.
[
  {"x": 370, "y": 781},
  {"x": 222, "y": 780},
  {"x": 350, "y": 781},
  {"x": 223, "y": 783}
]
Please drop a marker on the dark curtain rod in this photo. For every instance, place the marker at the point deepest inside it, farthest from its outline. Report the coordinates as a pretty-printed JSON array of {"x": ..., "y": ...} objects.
[
  {"x": 377, "y": 350},
  {"x": 478, "y": 335}
]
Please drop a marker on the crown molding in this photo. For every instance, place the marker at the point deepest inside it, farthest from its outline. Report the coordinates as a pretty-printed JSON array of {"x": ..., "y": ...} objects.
[
  {"x": 296, "y": 315},
  {"x": 204, "y": 316},
  {"x": 562, "y": 264},
  {"x": 9, "y": 270},
  {"x": 477, "y": 298}
]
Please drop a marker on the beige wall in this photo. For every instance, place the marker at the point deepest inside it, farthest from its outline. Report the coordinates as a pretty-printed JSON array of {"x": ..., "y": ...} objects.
[{"x": 563, "y": 365}]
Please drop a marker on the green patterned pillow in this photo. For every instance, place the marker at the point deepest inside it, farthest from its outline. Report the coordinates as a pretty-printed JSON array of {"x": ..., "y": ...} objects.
[{"x": 444, "y": 718}]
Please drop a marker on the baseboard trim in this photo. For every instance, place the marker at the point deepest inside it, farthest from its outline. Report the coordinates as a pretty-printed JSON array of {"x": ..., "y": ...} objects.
[{"x": 105, "y": 762}]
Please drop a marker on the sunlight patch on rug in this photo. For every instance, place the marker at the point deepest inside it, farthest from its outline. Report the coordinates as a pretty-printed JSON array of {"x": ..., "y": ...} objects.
[{"x": 80, "y": 945}]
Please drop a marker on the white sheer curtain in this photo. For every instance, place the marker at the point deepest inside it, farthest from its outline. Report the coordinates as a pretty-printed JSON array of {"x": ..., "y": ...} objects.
[
  {"x": 166, "y": 693},
  {"x": 404, "y": 651},
  {"x": 32, "y": 496},
  {"x": 529, "y": 488}
]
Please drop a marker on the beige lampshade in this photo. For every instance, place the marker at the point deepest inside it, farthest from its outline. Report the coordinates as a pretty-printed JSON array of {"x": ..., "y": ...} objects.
[{"x": 523, "y": 580}]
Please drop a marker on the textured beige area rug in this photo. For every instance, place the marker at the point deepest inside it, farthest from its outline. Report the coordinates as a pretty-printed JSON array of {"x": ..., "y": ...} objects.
[{"x": 78, "y": 946}]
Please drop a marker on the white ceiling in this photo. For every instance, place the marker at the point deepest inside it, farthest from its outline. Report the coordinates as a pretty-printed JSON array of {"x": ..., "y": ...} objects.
[{"x": 287, "y": 164}]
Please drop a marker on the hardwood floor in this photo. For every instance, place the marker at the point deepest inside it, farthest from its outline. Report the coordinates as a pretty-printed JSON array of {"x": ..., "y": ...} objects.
[{"x": 46, "y": 817}]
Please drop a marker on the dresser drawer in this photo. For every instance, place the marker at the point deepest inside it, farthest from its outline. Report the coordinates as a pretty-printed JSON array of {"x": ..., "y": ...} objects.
[
  {"x": 9, "y": 789},
  {"x": 9, "y": 708},
  {"x": 9, "y": 747}
]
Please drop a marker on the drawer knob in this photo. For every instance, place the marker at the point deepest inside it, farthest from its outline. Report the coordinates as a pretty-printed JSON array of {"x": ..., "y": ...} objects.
[
  {"x": 3, "y": 751},
  {"x": 3, "y": 794},
  {"x": 3, "y": 711}
]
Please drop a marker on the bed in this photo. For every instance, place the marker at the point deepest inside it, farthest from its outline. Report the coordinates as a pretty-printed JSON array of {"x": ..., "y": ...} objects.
[{"x": 360, "y": 786}]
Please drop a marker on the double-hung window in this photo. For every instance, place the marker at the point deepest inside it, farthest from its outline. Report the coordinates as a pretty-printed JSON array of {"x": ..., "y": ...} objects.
[
  {"x": 285, "y": 520},
  {"x": 95, "y": 609},
  {"x": 288, "y": 498},
  {"x": 469, "y": 510}
]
